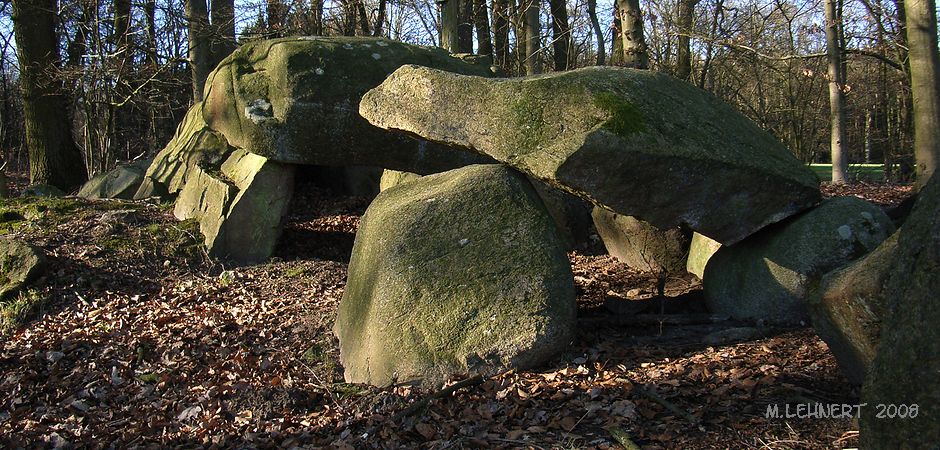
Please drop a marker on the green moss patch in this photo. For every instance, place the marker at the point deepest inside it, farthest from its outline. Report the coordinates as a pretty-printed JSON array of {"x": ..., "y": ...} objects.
[{"x": 625, "y": 119}]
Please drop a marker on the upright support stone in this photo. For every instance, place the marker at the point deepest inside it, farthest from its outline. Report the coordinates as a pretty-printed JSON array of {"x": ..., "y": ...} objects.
[{"x": 241, "y": 209}]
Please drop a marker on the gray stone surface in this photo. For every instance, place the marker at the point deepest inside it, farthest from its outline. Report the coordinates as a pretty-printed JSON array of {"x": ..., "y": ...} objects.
[
  {"x": 459, "y": 272},
  {"x": 20, "y": 264},
  {"x": 640, "y": 245},
  {"x": 240, "y": 210},
  {"x": 768, "y": 276},
  {"x": 640, "y": 143}
]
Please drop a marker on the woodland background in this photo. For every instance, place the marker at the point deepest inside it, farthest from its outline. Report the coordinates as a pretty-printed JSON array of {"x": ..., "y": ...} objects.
[{"x": 126, "y": 71}]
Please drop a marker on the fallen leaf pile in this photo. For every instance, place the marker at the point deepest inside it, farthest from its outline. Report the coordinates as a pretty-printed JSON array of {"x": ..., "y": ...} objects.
[
  {"x": 143, "y": 340},
  {"x": 878, "y": 193}
]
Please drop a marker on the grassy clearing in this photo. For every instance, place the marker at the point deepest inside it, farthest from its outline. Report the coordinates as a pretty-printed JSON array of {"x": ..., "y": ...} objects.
[{"x": 858, "y": 172}]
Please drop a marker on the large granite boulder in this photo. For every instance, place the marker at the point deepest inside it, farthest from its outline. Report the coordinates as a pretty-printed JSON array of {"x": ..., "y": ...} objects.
[
  {"x": 296, "y": 100},
  {"x": 459, "y": 272},
  {"x": 20, "y": 264},
  {"x": 701, "y": 250},
  {"x": 637, "y": 142},
  {"x": 240, "y": 207},
  {"x": 640, "y": 245},
  {"x": 848, "y": 306},
  {"x": 768, "y": 276},
  {"x": 905, "y": 370},
  {"x": 121, "y": 182},
  {"x": 571, "y": 214}
]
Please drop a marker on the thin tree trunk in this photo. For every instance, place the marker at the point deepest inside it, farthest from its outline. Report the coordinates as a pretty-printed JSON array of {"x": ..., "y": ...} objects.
[
  {"x": 317, "y": 7},
  {"x": 598, "y": 33},
  {"x": 706, "y": 65},
  {"x": 223, "y": 29},
  {"x": 197, "y": 16},
  {"x": 150, "y": 13},
  {"x": 683, "y": 41},
  {"x": 450, "y": 16},
  {"x": 378, "y": 29},
  {"x": 925, "y": 85},
  {"x": 561, "y": 34},
  {"x": 465, "y": 26},
  {"x": 518, "y": 23},
  {"x": 363, "y": 18},
  {"x": 501, "y": 32},
  {"x": 122, "y": 22},
  {"x": 533, "y": 29},
  {"x": 616, "y": 44},
  {"x": 53, "y": 156},
  {"x": 481, "y": 22},
  {"x": 631, "y": 34},
  {"x": 840, "y": 161}
]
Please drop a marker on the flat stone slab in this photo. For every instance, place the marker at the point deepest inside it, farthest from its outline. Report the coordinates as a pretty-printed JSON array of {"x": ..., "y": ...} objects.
[{"x": 640, "y": 143}]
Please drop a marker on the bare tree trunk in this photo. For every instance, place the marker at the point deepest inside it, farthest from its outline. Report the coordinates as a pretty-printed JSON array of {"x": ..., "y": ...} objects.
[
  {"x": 533, "y": 29},
  {"x": 317, "y": 7},
  {"x": 598, "y": 33},
  {"x": 631, "y": 34},
  {"x": 482, "y": 23},
  {"x": 53, "y": 156},
  {"x": 518, "y": 22},
  {"x": 465, "y": 26},
  {"x": 378, "y": 28},
  {"x": 223, "y": 29},
  {"x": 363, "y": 18},
  {"x": 150, "y": 13},
  {"x": 501, "y": 32},
  {"x": 122, "y": 22},
  {"x": 561, "y": 34},
  {"x": 925, "y": 85},
  {"x": 684, "y": 50},
  {"x": 840, "y": 161},
  {"x": 450, "y": 17},
  {"x": 703, "y": 77},
  {"x": 197, "y": 16}
]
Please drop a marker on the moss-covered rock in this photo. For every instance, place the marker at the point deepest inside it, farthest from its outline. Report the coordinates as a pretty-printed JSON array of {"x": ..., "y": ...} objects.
[
  {"x": 768, "y": 276},
  {"x": 571, "y": 214},
  {"x": 641, "y": 245},
  {"x": 848, "y": 306},
  {"x": 391, "y": 178},
  {"x": 296, "y": 100},
  {"x": 701, "y": 250},
  {"x": 457, "y": 272},
  {"x": 194, "y": 146},
  {"x": 638, "y": 142},
  {"x": 905, "y": 370},
  {"x": 121, "y": 182},
  {"x": 241, "y": 207},
  {"x": 20, "y": 264}
]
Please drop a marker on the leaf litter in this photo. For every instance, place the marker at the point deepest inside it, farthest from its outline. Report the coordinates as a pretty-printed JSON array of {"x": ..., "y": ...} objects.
[{"x": 145, "y": 341}]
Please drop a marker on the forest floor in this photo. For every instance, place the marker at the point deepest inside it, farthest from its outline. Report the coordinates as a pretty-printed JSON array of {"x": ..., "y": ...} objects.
[{"x": 135, "y": 338}]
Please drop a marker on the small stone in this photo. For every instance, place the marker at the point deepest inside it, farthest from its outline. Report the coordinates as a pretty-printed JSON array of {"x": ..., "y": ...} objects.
[{"x": 54, "y": 357}]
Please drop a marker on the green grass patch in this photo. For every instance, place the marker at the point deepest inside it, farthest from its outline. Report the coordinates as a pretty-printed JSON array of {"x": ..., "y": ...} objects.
[
  {"x": 20, "y": 309},
  {"x": 295, "y": 272},
  {"x": 858, "y": 172}
]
